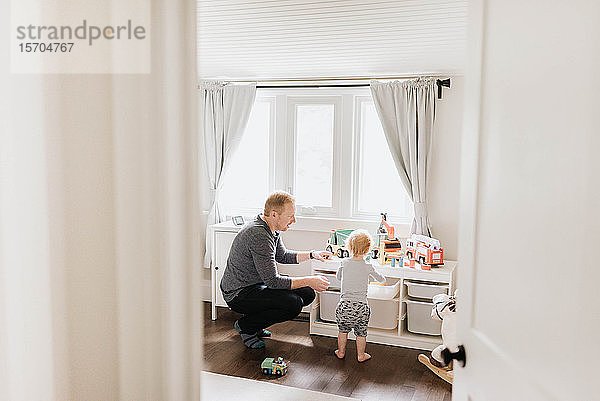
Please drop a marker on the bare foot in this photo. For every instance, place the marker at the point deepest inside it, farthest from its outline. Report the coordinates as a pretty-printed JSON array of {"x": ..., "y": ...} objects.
[
  {"x": 340, "y": 354},
  {"x": 364, "y": 357}
]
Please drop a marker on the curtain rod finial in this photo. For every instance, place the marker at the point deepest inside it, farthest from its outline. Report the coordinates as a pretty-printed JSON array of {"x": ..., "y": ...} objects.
[{"x": 442, "y": 83}]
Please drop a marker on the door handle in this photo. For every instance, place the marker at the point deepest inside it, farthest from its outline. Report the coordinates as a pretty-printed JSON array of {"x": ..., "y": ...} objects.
[{"x": 459, "y": 355}]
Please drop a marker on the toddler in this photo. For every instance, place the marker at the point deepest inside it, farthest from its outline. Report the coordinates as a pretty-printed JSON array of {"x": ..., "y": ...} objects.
[{"x": 352, "y": 311}]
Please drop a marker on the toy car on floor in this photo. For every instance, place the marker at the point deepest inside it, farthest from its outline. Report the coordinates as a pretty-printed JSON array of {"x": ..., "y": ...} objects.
[{"x": 274, "y": 366}]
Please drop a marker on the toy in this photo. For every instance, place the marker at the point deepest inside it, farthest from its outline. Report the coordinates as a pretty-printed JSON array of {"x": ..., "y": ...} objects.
[
  {"x": 425, "y": 250},
  {"x": 274, "y": 366},
  {"x": 386, "y": 242},
  {"x": 336, "y": 243},
  {"x": 444, "y": 309},
  {"x": 395, "y": 258},
  {"x": 406, "y": 262},
  {"x": 388, "y": 248}
]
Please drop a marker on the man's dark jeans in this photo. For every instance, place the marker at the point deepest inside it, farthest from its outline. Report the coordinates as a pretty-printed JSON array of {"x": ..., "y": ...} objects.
[{"x": 262, "y": 306}]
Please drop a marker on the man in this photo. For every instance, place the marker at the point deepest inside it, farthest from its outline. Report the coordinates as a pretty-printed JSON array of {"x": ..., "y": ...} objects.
[{"x": 251, "y": 284}]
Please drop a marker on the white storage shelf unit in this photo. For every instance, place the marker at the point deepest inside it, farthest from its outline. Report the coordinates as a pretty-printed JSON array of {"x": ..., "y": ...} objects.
[{"x": 422, "y": 284}]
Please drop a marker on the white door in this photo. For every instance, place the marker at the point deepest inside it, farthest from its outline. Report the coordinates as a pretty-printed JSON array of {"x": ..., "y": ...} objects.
[{"x": 528, "y": 309}]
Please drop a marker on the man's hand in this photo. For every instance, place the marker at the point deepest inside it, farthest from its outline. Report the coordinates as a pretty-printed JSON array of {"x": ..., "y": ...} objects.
[
  {"x": 322, "y": 255},
  {"x": 318, "y": 283}
]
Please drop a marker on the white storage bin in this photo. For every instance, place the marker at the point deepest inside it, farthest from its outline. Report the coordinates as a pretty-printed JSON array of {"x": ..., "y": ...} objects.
[
  {"x": 383, "y": 291},
  {"x": 425, "y": 290},
  {"x": 420, "y": 320},
  {"x": 328, "y": 302},
  {"x": 384, "y": 313},
  {"x": 333, "y": 281}
]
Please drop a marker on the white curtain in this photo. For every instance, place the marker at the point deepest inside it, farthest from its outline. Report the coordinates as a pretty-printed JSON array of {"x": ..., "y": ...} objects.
[
  {"x": 225, "y": 110},
  {"x": 407, "y": 113},
  {"x": 98, "y": 298}
]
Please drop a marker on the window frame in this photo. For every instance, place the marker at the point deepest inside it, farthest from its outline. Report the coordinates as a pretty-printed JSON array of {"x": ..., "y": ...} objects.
[
  {"x": 347, "y": 140},
  {"x": 292, "y": 103}
]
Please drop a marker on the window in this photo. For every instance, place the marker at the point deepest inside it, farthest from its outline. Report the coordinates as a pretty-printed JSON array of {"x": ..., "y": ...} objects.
[
  {"x": 379, "y": 188},
  {"x": 314, "y": 132},
  {"x": 313, "y": 174},
  {"x": 248, "y": 179},
  {"x": 325, "y": 146}
]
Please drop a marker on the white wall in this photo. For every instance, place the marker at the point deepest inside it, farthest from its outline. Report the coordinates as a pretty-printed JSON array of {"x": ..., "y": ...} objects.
[{"x": 444, "y": 173}]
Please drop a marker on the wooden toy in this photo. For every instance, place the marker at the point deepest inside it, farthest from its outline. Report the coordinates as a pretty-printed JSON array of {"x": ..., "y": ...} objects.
[
  {"x": 386, "y": 242},
  {"x": 425, "y": 250},
  {"x": 386, "y": 228},
  {"x": 439, "y": 362},
  {"x": 336, "y": 243},
  {"x": 274, "y": 366},
  {"x": 388, "y": 248},
  {"x": 446, "y": 373},
  {"x": 396, "y": 259}
]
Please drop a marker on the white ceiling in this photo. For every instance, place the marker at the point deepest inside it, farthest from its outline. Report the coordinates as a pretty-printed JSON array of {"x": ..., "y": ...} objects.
[{"x": 269, "y": 39}]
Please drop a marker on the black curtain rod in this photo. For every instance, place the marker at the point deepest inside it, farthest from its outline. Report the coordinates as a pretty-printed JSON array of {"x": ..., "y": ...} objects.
[
  {"x": 440, "y": 83},
  {"x": 312, "y": 86}
]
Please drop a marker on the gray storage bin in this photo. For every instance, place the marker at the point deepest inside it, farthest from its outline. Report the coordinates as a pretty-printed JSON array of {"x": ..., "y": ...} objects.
[
  {"x": 384, "y": 312},
  {"x": 425, "y": 290},
  {"x": 420, "y": 320},
  {"x": 328, "y": 303}
]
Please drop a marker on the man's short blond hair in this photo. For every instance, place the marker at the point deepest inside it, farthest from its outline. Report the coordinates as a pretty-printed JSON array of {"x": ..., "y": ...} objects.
[
  {"x": 359, "y": 242},
  {"x": 276, "y": 201}
]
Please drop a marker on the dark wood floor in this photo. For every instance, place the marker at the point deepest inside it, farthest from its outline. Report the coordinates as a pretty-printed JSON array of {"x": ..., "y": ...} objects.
[{"x": 393, "y": 374}]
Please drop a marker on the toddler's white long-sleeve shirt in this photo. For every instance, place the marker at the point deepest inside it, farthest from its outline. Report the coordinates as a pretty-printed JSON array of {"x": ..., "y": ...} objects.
[{"x": 355, "y": 277}]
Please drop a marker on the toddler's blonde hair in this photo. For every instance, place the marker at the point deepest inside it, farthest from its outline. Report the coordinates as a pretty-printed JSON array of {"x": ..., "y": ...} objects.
[{"x": 359, "y": 242}]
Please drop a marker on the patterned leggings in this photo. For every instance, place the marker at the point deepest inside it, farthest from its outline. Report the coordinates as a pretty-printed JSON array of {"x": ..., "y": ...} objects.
[{"x": 353, "y": 315}]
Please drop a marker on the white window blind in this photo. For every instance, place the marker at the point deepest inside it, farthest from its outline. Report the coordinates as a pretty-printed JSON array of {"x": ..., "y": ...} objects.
[{"x": 271, "y": 39}]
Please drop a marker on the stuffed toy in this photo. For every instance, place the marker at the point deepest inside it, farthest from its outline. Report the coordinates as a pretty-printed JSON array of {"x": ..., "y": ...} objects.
[{"x": 444, "y": 309}]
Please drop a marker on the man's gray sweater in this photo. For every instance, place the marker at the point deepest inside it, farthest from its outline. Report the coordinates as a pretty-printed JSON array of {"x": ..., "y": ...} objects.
[{"x": 252, "y": 260}]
